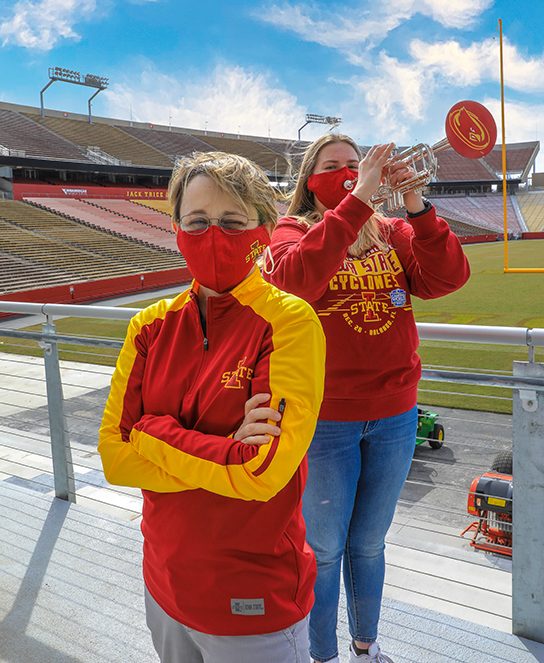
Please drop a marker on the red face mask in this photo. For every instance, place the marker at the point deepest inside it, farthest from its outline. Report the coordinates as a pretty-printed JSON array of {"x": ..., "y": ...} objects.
[
  {"x": 332, "y": 186},
  {"x": 220, "y": 261}
]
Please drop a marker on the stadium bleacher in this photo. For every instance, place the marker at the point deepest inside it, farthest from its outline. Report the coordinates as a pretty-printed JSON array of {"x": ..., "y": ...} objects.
[
  {"x": 93, "y": 214},
  {"x": 171, "y": 143},
  {"x": 532, "y": 208},
  {"x": 519, "y": 157},
  {"x": 162, "y": 206},
  {"x": 453, "y": 168},
  {"x": 483, "y": 212},
  {"x": 19, "y": 273},
  {"x": 70, "y": 250},
  {"x": 111, "y": 140},
  {"x": 64, "y": 262},
  {"x": 20, "y": 133},
  {"x": 57, "y": 237},
  {"x": 269, "y": 160},
  {"x": 129, "y": 209}
]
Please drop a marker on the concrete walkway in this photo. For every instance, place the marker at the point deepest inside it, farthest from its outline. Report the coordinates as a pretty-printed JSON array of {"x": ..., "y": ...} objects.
[{"x": 71, "y": 592}]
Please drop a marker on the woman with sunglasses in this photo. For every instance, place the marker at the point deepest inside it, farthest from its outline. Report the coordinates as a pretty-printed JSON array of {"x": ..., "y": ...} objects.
[
  {"x": 359, "y": 271},
  {"x": 213, "y": 405}
]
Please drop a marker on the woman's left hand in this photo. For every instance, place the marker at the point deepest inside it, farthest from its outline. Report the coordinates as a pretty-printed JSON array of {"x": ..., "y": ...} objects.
[
  {"x": 399, "y": 172},
  {"x": 255, "y": 428}
]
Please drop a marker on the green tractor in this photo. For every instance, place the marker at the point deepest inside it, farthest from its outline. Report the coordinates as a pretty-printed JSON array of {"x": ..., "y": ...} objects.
[{"x": 428, "y": 430}]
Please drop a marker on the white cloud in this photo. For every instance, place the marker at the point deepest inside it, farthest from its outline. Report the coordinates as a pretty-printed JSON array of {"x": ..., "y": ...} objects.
[
  {"x": 460, "y": 14},
  {"x": 230, "y": 99},
  {"x": 523, "y": 122},
  {"x": 41, "y": 24},
  {"x": 479, "y": 62},
  {"x": 389, "y": 101},
  {"x": 363, "y": 26},
  {"x": 400, "y": 98}
]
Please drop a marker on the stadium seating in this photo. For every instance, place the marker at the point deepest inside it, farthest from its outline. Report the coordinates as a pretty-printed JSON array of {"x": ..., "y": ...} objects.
[
  {"x": 71, "y": 250},
  {"x": 483, "y": 212},
  {"x": 159, "y": 205},
  {"x": 171, "y": 143},
  {"x": 518, "y": 158},
  {"x": 86, "y": 211},
  {"x": 284, "y": 147},
  {"x": 109, "y": 139},
  {"x": 143, "y": 222},
  {"x": 452, "y": 167},
  {"x": 268, "y": 159},
  {"x": 532, "y": 208},
  {"x": 19, "y": 273},
  {"x": 18, "y": 132},
  {"x": 145, "y": 215},
  {"x": 64, "y": 263}
]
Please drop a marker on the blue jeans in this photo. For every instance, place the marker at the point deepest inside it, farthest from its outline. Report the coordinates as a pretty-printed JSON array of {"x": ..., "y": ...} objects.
[{"x": 356, "y": 472}]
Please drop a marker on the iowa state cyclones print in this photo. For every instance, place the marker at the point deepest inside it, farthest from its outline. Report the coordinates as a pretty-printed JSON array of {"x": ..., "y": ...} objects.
[{"x": 368, "y": 292}]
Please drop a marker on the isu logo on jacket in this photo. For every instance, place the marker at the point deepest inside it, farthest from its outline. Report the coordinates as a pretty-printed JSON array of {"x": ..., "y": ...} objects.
[{"x": 233, "y": 379}]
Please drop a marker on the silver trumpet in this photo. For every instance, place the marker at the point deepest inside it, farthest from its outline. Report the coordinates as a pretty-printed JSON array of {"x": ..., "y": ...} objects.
[
  {"x": 421, "y": 158},
  {"x": 470, "y": 130}
]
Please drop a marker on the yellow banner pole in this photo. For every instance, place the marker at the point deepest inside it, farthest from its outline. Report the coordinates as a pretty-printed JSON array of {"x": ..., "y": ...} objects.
[{"x": 504, "y": 206}]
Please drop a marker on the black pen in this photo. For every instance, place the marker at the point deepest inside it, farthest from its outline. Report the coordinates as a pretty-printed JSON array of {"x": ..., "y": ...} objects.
[{"x": 281, "y": 406}]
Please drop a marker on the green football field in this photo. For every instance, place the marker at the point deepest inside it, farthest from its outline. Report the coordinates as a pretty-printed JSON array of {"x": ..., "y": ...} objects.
[{"x": 489, "y": 298}]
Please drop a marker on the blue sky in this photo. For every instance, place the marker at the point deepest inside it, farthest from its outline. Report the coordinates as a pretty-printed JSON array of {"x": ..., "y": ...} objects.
[{"x": 391, "y": 70}]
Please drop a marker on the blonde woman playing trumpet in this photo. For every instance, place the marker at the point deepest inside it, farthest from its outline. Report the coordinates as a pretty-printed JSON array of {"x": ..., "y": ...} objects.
[{"x": 359, "y": 271}]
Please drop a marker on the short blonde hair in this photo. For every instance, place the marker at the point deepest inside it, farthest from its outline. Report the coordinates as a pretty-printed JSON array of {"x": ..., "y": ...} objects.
[
  {"x": 375, "y": 232},
  {"x": 235, "y": 175}
]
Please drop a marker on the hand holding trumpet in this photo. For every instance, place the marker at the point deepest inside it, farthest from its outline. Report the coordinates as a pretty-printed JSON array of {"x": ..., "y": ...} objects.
[
  {"x": 377, "y": 165},
  {"x": 398, "y": 173}
]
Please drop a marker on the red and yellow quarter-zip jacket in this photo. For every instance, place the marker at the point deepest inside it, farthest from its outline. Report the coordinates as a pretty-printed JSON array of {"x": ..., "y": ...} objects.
[
  {"x": 364, "y": 305},
  {"x": 224, "y": 538}
]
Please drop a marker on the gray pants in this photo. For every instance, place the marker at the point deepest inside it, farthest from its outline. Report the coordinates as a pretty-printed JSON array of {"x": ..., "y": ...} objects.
[{"x": 176, "y": 643}]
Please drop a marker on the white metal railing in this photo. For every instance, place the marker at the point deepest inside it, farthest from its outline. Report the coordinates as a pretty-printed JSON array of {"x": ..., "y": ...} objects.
[
  {"x": 76, "y": 464},
  {"x": 428, "y": 331},
  {"x": 8, "y": 152},
  {"x": 97, "y": 154}
]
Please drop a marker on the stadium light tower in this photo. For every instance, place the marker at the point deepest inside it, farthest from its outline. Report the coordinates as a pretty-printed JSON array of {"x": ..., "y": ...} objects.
[
  {"x": 320, "y": 119},
  {"x": 70, "y": 76}
]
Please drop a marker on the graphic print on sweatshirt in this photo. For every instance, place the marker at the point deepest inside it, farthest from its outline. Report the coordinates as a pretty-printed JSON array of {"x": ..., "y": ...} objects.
[{"x": 368, "y": 292}]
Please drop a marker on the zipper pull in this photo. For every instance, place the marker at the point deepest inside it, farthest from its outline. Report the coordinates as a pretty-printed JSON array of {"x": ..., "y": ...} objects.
[{"x": 205, "y": 344}]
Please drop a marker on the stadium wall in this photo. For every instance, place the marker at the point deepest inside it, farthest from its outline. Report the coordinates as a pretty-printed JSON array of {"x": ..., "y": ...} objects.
[
  {"x": 498, "y": 237},
  {"x": 478, "y": 239},
  {"x": 535, "y": 235},
  {"x": 76, "y": 293},
  {"x": 38, "y": 190}
]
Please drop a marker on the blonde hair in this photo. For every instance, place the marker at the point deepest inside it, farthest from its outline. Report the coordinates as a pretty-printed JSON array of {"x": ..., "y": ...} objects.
[
  {"x": 235, "y": 175},
  {"x": 375, "y": 232}
]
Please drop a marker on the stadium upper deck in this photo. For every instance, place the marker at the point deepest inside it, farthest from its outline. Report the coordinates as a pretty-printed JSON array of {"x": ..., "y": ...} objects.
[
  {"x": 135, "y": 148},
  {"x": 79, "y": 184}
]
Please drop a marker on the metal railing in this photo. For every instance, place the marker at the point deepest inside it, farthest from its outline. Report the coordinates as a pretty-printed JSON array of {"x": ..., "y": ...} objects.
[
  {"x": 8, "y": 152},
  {"x": 97, "y": 154},
  {"x": 34, "y": 445}
]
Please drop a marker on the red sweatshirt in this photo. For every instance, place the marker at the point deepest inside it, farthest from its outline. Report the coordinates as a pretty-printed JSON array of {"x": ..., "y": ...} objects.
[
  {"x": 224, "y": 538},
  {"x": 364, "y": 305}
]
